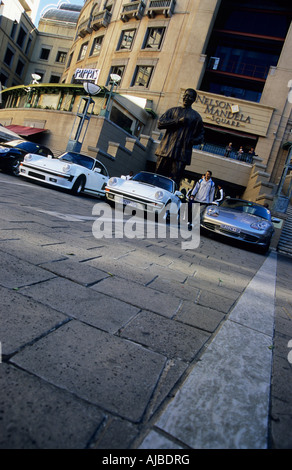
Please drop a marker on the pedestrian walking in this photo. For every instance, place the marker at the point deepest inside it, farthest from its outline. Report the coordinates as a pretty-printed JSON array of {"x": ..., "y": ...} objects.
[{"x": 202, "y": 193}]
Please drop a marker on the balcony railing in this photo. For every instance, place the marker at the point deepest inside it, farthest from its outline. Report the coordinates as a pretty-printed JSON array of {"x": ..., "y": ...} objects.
[
  {"x": 220, "y": 150},
  {"x": 133, "y": 10},
  {"x": 84, "y": 29},
  {"x": 242, "y": 68},
  {"x": 101, "y": 19},
  {"x": 161, "y": 7}
]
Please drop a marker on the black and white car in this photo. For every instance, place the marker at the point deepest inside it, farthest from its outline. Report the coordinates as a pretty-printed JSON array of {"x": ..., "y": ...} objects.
[
  {"x": 12, "y": 154},
  {"x": 72, "y": 171},
  {"x": 147, "y": 192}
]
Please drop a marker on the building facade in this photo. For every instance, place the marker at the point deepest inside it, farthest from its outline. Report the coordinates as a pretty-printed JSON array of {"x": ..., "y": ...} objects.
[
  {"x": 237, "y": 55},
  {"x": 17, "y": 37}
]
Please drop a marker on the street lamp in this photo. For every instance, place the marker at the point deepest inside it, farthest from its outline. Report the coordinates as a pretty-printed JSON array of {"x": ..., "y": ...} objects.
[
  {"x": 82, "y": 117},
  {"x": 115, "y": 78}
]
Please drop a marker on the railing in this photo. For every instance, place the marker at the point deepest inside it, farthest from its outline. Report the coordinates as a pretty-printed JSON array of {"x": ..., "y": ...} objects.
[
  {"x": 133, "y": 10},
  {"x": 102, "y": 18},
  {"x": 220, "y": 150},
  {"x": 165, "y": 7},
  {"x": 245, "y": 69}
]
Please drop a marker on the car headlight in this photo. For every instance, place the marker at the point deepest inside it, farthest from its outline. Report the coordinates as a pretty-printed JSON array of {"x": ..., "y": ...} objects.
[
  {"x": 27, "y": 157},
  {"x": 260, "y": 225},
  {"x": 66, "y": 168},
  {"x": 159, "y": 195},
  {"x": 112, "y": 181},
  {"x": 213, "y": 211}
]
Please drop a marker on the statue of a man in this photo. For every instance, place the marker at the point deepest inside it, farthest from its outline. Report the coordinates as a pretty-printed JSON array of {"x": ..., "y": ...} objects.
[{"x": 184, "y": 129}]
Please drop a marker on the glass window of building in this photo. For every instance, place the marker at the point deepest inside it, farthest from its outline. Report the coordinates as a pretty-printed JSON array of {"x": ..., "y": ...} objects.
[
  {"x": 13, "y": 29},
  {"x": 142, "y": 76},
  {"x": 117, "y": 70},
  {"x": 55, "y": 79},
  {"x": 21, "y": 36},
  {"x": 3, "y": 78},
  {"x": 8, "y": 58},
  {"x": 83, "y": 51},
  {"x": 96, "y": 46},
  {"x": 61, "y": 57},
  {"x": 45, "y": 53},
  {"x": 19, "y": 68},
  {"x": 126, "y": 39},
  {"x": 153, "y": 38}
]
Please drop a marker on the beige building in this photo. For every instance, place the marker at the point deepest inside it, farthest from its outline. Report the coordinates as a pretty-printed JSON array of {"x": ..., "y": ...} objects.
[{"x": 236, "y": 54}]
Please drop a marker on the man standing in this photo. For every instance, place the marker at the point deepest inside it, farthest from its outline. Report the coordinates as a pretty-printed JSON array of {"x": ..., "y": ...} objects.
[
  {"x": 202, "y": 193},
  {"x": 184, "y": 129}
]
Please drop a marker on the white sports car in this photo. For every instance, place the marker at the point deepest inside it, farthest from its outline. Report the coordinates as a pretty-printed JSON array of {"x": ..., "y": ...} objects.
[
  {"x": 145, "y": 191},
  {"x": 73, "y": 171}
]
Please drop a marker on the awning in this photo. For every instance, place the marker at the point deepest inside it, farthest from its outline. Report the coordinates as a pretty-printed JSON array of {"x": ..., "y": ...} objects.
[
  {"x": 226, "y": 130},
  {"x": 25, "y": 131}
]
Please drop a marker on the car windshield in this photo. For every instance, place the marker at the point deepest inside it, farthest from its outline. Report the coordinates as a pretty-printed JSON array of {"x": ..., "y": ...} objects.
[
  {"x": 155, "y": 180},
  {"x": 247, "y": 207},
  {"x": 29, "y": 146},
  {"x": 78, "y": 159}
]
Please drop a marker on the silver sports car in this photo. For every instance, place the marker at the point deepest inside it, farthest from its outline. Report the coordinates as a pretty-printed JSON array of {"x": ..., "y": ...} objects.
[{"x": 241, "y": 220}]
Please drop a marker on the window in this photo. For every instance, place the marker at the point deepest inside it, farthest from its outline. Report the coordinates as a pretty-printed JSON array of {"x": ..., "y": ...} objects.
[
  {"x": 83, "y": 51},
  {"x": 142, "y": 76},
  {"x": 126, "y": 40},
  {"x": 19, "y": 68},
  {"x": 55, "y": 79},
  {"x": 61, "y": 57},
  {"x": 116, "y": 69},
  {"x": 3, "y": 79},
  {"x": 13, "y": 29},
  {"x": 44, "y": 55},
  {"x": 21, "y": 36},
  {"x": 28, "y": 45},
  {"x": 8, "y": 58},
  {"x": 153, "y": 38},
  {"x": 70, "y": 60},
  {"x": 96, "y": 46}
]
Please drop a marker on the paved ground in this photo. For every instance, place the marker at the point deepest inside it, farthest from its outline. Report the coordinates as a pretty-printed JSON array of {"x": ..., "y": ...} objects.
[{"x": 118, "y": 343}]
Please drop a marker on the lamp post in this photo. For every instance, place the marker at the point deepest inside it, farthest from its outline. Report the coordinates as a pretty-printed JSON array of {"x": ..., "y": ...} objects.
[
  {"x": 115, "y": 80},
  {"x": 83, "y": 116}
]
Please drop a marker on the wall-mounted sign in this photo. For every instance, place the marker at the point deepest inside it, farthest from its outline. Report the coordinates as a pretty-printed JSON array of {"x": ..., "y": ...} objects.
[
  {"x": 87, "y": 74},
  {"x": 245, "y": 116}
]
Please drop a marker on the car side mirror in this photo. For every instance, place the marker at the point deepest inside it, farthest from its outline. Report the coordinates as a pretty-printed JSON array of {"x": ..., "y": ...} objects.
[
  {"x": 178, "y": 194},
  {"x": 275, "y": 220},
  {"x": 97, "y": 170}
]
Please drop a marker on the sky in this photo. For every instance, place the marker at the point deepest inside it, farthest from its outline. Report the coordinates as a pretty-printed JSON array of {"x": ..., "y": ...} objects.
[{"x": 45, "y": 3}]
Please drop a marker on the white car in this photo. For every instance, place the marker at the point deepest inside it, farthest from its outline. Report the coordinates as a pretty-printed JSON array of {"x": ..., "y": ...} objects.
[
  {"x": 72, "y": 171},
  {"x": 145, "y": 191}
]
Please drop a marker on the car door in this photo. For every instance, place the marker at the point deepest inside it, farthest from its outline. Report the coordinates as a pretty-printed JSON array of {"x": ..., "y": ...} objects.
[{"x": 96, "y": 179}]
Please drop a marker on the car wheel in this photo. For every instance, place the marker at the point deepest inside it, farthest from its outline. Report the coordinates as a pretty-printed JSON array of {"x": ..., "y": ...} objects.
[
  {"x": 15, "y": 167},
  {"x": 78, "y": 186}
]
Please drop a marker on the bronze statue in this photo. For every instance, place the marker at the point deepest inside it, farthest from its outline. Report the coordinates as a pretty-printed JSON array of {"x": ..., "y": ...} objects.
[{"x": 184, "y": 129}]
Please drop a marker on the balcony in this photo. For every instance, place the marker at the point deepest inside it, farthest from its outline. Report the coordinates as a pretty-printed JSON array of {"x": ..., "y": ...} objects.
[
  {"x": 220, "y": 150},
  {"x": 133, "y": 10},
  {"x": 101, "y": 20},
  {"x": 84, "y": 29},
  {"x": 161, "y": 7}
]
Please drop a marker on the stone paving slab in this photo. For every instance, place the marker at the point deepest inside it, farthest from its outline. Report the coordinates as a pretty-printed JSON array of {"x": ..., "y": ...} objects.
[
  {"x": 140, "y": 296},
  {"x": 85, "y": 304},
  {"x": 50, "y": 418},
  {"x": 79, "y": 273},
  {"x": 199, "y": 316},
  {"x": 15, "y": 273},
  {"x": 22, "y": 320},
  {"x": 101, "y": 370},
  {"x": 165, "y": 336}
]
